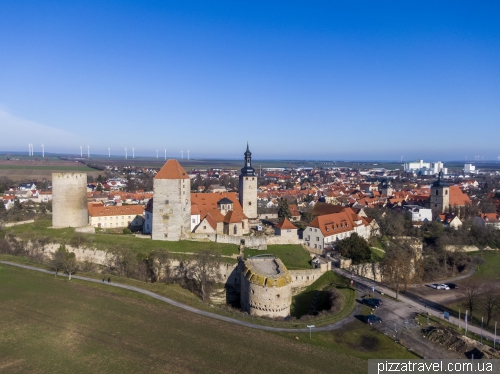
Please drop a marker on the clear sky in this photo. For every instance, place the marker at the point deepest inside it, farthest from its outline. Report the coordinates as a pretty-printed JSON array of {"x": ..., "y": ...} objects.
[{"x": 299, "y": 80}]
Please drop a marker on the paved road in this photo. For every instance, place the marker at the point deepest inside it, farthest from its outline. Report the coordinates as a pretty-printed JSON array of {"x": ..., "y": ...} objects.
[
  {"x": 331, "y": 327},
  {"x": 407, "y": 307}
]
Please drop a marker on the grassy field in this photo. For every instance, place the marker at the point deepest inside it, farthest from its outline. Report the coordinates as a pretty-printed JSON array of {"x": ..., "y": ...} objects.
[
  {"x": 377, "y": 254},
  {"x": 490, "y": 269},
  {"x": 52, "y": 325},
  {"x": 293, "y": 256}
]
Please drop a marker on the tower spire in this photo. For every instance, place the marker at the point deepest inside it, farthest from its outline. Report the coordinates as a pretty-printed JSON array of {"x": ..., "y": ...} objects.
[{"x": 248, "y": 169}]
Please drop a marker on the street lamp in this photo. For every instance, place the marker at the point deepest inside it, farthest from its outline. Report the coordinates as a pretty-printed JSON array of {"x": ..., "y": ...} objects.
[{"x": 310, "y": 329}]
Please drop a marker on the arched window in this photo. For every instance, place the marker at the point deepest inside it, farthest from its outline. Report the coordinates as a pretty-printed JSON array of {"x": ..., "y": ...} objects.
[{"x": 235, "y": 229}]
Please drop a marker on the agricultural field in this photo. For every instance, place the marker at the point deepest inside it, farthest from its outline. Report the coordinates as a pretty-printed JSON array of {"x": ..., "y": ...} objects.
[
  {"x": 38, "y": 170},
  {"x": 55, "y": 325}
]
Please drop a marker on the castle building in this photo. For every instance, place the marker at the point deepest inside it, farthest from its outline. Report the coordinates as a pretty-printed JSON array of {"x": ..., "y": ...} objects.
[
  {"x": 248, "y": 187},
  {"x": 265, "y": 287},
  {"x": 69, "y": 200},
  {"x": 171, "y": 211}
]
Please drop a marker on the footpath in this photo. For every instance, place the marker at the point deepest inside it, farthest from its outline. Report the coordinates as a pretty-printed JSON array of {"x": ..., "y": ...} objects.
[{"x": 234, "y": 321}]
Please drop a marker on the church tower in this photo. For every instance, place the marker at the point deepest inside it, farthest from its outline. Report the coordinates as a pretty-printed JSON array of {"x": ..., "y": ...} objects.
[
  {"x": 440, "y": 195},
  {"x": 248, "y": 187},
  {"x": 172, "y": 203}
]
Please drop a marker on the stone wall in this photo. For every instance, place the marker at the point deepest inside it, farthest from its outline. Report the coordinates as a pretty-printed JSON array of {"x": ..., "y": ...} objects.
[
  {"x": 10, "y": 224},
  {"x": 171, "y": 209},
  {"x": 283, "y": 240},
  {"x": 463, "y": 248},
  {"x": 254, "y": 242},
  {"x": 69, "y": 200},
  {"x": 306, "y": 277}
]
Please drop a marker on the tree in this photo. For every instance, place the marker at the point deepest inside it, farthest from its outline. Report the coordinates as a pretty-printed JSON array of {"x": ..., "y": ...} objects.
[
  {"x": 283, "y": 209},
  {"x": 58, "y": 258},
  {"x": 471, "y": 290},
  {"x": 205, "y": 268},
  {"x": 124, "y": 261},
  {"x": 490, "y": 300},
  {"x": 399, "y": 265},
  {"x": 70, "y": 265},
  {"x": 158, "y": 263},
  {"x": 356, "y": 248}
]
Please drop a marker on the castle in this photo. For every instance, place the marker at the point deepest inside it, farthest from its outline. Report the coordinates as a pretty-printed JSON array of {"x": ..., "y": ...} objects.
[{"x": 175, "y": 213}]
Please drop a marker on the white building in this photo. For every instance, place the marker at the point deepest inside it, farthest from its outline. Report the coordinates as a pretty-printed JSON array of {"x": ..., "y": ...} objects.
[
  {"x": 425, "y": 168},
  {"x": 419, "y": 214},
  {"x": 469, "y": 169}
]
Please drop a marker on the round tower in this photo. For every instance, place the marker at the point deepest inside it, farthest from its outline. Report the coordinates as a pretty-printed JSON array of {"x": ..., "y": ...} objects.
[
  {"x": 266, "y": 287},
  {"x": 69, "y": 200}
]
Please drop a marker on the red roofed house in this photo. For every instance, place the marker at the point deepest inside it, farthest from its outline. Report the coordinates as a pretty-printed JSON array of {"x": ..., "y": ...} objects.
[
  {"x": 326, "y": 230},
  {"x": 130, "y": 216},
  {"x": 285, "y": 228},
  {"x": 488, "y": 219}
]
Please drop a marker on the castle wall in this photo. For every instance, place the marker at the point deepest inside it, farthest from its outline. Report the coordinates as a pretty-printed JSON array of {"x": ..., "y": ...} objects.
[
  {"x": 254, "y": 242},
  {"x": 171, "y": 209},
  {"x": 265, "y": 301},
  {"x": 69, "y": 200},
  {"x": 306, "y": 277},
  {"x": 248, "y": 195}
]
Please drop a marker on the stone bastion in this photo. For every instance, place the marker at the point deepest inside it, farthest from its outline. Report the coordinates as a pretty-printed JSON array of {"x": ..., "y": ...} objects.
[{"x": 266, "y": 288}]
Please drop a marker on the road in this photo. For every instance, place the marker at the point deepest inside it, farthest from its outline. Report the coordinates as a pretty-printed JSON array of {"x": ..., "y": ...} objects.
[
  {"x": 330, "y": 327},
  {"x": 406, "y": 308}
]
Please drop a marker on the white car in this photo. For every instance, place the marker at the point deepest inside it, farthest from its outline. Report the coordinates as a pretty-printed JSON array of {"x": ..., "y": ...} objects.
[
  {"x": 434, "y": 285},
  {"x": 443, "y": 287}
]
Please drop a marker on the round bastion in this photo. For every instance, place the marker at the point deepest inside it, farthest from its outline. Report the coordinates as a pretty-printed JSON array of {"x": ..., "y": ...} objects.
[
  {"x": 266, "y": 287},
  {"x": 69, "y": 200}
]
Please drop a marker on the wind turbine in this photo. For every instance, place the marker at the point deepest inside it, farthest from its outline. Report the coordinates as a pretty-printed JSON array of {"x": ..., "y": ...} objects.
[
  {"x": 81, "y": 151},
  {"x": 188, "y": 154},
  {"x": 88, "y": 151},
  {"x": 165, "y": 153},
  {"x": 157, "y": 154},
  {"x": 43, "y": 151},
  {"x": 109, "y": 152},
  {"x": 182, "y": 154},
  {"x": 125, "y": 153},
  {"x": 29, "y": 149},
  {"x": 133, "y": 154}
]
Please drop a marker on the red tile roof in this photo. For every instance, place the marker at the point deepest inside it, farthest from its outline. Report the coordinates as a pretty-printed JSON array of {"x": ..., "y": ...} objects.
[
  {"x": 285, "y": 225},
  {"x": 100, "y": 210},
  {"x": 457, "y": 197},
  {"x": 172, "y": 170}
]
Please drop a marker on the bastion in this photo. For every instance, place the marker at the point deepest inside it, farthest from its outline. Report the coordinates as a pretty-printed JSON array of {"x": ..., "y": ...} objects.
[
  {"x": 69, "y": 200},
  {"x": 266, "y": 287}
]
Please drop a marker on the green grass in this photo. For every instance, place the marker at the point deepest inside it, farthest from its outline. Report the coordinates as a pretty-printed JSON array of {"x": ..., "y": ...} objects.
[
  {"x": 51, "y": 325},
  {"x": 377, "y": 254},
  {"x": 294, "y": 256},
  {"x": 104, "y": 241},
  {"x": 490, "y": 269}
]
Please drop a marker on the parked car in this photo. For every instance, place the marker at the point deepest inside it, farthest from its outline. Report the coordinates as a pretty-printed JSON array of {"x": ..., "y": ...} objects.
[
  {"x": 369, "y": 302},
  {"x": 434, "y": 285},
  {"x": 443, "y": 287},
  {"x": 452, "y": 286},
  {"x": 371, "y": 318},
  {"x": 377, "y": 302}
]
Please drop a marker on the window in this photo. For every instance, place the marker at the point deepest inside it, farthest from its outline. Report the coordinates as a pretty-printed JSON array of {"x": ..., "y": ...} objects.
[
  {"x": 437, "y": 192},
  {"x": 249, "y": 203},
  {"x": 315, "y": 246},
  {"x": 317, "y": 238},
  {"x": 446, "y": 192},
  {"x": 319, "y": 247},
  {"x": 235, "y": 229},
  {"x": 166, "y": 202},
  {"x": 204, "y": 227},
  {"x": 194, "y": 221}
]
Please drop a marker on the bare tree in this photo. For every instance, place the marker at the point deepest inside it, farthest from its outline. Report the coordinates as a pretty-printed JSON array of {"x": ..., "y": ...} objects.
[
  {"x": 124, "y": 261},
  {"x": 471, "y": 290},
  {"x": 58, "y": 258},
  {"x": 160, "y": 264},
  {"x": 205, "y": 269},
  {"x": 399, "y": 265},
  {"x": 490, "y": 300}
]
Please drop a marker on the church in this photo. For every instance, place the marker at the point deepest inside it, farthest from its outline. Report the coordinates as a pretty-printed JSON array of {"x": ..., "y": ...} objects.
[{"x": 174, "y": 212}]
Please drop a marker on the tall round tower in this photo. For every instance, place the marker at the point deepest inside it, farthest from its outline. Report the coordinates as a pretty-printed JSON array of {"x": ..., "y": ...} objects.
[{"x": 69, "y": 200}]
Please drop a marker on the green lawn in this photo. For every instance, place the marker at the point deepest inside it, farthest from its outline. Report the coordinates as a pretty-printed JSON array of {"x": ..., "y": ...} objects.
[
  {"x": 51, "y": 325},
  {"x": 490, "y": 269},
  {"x": 377, "y": 254},
  {"x": 294, "y": 256}
]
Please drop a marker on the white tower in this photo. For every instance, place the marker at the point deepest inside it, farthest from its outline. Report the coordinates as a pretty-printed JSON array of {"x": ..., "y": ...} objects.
[{"x": 248, "y": 187}]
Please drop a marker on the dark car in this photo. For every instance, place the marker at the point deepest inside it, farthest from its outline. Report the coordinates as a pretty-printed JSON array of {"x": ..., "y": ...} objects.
[
  {"x": 377, "y": 301},
  {"x": 452, "y": 286},
  {"x": 371, "y": 318},
  {"x": 369, "y": 302}
]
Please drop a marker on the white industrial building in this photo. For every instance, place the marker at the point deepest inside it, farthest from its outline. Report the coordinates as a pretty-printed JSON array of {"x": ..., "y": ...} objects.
[{"x": 425, "y": 168}]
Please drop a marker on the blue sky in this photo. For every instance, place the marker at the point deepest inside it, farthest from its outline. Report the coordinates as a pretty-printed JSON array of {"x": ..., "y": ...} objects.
[{"x": 299, "y": 80}]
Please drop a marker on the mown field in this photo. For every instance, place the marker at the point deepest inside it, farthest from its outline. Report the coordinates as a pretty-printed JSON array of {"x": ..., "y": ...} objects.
[
  {"x": 53, "y": 325},
  {"x": 293, "y": 256}
]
